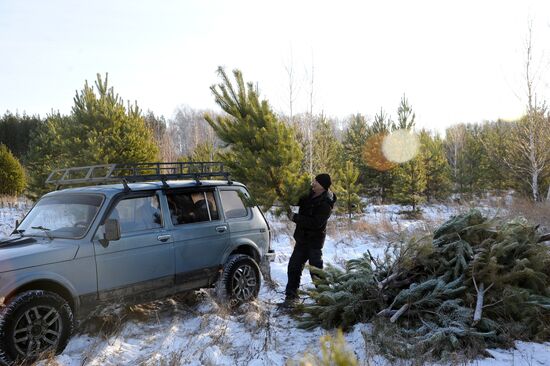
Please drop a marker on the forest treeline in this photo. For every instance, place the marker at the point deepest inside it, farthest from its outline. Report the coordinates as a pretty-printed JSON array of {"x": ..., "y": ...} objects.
[{"x": 469, "y": 160}]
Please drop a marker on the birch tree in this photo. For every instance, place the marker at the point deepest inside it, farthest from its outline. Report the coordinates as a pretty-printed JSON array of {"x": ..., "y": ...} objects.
[
  {"x": 529, "y": 143},
  {"x": 454, "y": 145}
]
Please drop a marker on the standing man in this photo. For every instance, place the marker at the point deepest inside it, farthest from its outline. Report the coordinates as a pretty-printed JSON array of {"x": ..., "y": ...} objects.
[{"x": 311, "y": 223}]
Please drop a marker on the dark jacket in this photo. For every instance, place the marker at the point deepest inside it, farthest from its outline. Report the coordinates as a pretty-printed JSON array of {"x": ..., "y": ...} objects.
[{"x": 311, "y": 219}]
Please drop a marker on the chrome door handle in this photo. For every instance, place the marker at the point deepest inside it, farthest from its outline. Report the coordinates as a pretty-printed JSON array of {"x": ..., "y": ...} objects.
[
  {"x": 164, "y": 237},
  {"x": 221, "y": 229}
]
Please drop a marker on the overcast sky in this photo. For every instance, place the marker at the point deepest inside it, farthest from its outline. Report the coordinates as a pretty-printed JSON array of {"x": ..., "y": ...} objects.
[{"x": 459, "y": 61}]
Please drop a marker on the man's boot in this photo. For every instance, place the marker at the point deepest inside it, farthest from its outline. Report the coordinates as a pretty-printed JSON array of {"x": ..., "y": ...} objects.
[{"x": 289, "y": 303}]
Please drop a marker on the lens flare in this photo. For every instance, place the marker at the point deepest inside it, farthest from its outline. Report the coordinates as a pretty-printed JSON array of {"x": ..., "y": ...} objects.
[
  {"x": 400, "y": 146},
  {"x": 373, "y": 155}
]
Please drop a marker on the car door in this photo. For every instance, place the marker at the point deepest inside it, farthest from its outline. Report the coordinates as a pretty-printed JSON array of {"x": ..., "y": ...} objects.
[
  {"x": 244, "y": 221},
  {"x": 142, "y": 259},
  {"x": 200, "y": 235}
]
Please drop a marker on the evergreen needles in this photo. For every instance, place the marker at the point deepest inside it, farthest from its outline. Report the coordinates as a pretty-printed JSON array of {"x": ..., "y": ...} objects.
[
  {"x": 261, "y": 151},
  {"x": 475, "y": 283}
]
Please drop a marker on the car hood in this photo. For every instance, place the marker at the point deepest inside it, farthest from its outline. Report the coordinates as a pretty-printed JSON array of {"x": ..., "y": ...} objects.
[{"x": 23, "y": 252}]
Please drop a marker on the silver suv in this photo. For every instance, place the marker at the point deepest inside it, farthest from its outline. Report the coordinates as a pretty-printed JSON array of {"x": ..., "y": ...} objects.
[{"x": 145, "y": 238}]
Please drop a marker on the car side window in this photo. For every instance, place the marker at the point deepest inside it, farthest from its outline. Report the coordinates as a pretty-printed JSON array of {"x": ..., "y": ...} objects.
[
  {"x": 137, "y": 213},
  {"x": 189, "y": 207},
  {"x": 212, "y": 205},
  {"x": 233, "y": 205}
]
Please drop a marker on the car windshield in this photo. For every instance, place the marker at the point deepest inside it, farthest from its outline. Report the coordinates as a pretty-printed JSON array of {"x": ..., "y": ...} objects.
[{"x": 61, "y": 216}]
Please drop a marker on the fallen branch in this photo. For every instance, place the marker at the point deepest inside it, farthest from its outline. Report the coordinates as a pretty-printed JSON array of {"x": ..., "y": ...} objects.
[
  {"x": 399, "y": 312},
  {"x": 493, "y": 304},
  {"x": 387, "y": 280},
  {"x": 479, "y": 303},
  {"x": 386, "y": 312},
  {"x": 374, "y": 260}
]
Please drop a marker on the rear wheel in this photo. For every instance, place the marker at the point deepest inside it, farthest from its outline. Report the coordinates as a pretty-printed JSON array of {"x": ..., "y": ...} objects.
[
  {"x": 241, "y": 278},
  {"x": 33, "y": 324}
]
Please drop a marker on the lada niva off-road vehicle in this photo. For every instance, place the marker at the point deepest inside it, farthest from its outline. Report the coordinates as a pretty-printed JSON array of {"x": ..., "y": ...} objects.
[{"x": 164, "y": 228}]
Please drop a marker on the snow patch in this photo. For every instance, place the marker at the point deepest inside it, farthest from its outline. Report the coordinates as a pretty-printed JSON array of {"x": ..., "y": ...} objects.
[{"x": 257, "y": 334}]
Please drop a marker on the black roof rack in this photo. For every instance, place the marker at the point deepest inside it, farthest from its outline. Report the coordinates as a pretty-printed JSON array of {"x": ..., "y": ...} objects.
[{"x": 138, "y": 172}]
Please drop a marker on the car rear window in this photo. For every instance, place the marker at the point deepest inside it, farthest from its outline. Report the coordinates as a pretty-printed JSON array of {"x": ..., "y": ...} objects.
[{"x": 233, "y": 205}]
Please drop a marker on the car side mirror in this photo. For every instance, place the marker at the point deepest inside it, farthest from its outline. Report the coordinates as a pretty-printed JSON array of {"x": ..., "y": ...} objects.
[{"x": 112, "y": 232}]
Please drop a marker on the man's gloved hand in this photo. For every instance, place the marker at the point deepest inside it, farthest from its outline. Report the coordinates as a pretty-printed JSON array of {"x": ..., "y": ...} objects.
[{"x": 290, "y": 214}]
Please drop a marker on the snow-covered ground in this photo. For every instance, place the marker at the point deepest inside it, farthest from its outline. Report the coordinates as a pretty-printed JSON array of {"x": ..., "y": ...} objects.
[
  {"x": 8, "y": 216},
  {"x": 196, "y": 330}
]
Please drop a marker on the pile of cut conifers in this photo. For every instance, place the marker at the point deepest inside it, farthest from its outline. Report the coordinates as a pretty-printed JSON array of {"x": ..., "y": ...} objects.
[{"x": 475, "y": 283}]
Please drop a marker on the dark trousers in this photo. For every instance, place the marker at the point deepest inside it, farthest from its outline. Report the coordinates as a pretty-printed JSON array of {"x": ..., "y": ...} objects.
[{"x": 301, "y": 254}]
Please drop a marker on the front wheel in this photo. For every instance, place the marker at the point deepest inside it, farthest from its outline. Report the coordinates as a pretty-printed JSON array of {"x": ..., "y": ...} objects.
[
  {"x": 33, "y": 324},
  {"x": 241, "y": 278}
]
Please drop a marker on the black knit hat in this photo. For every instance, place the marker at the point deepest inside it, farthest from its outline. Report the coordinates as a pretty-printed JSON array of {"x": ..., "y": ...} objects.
[{"x": 324, "y": 180}]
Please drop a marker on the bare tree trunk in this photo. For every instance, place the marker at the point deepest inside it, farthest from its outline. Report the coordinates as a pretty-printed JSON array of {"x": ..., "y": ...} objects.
[
  {"x": 531, "y": 115},
  {"x": 535, "y": 185},
  {"x": 456, "y": 138},
  {"x": 310, "y": 143},
  {"x": 291, "y": 86},
  {"x": 310, "y": 120}
]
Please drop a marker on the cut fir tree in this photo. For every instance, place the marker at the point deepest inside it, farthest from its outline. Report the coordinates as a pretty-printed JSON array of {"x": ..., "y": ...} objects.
[{"x": 475, "y": 283}]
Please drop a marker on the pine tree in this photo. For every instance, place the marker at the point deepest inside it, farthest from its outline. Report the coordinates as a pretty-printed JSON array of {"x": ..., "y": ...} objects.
[
  {"x": 261, "y": 150},
  {"x": 109, "y": 131},
  {"x": 354, "y": 140},
  {"x": 379, "y": 175},
  {"x": 409, "y": 178},
  {"x": 405, "y": 115},
  {"x": 52, "y": 147},
  {"x": 334, "y": 352},
  {"x": 382, "y": 124},
  {"x": 327, "y": 150},
  {"x": 347, "y": 189},
  {"x": 438, "y": 182},
  {"x": 409, "y": 182},
  {"x": 156, "y": 124},
  {"x": 495, "y": 138},
  {"x": 474, "y": 162},
  {"x": 100, "y": 130},
  {"x": 469, "y": 159},
  {"x": 203, "y": 152},
  {"x": 12, "y": 175},
  {"x": 15, "y": 132}
]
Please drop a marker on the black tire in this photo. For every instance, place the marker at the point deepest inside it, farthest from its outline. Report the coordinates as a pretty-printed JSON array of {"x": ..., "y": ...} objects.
[
  {"x": 33, "y": 324},
  {"x": 241, "y": 278}
]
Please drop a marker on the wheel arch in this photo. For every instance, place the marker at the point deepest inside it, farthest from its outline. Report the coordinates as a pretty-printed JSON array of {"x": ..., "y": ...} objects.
[
  {"x": 246, "y": 247},
  {"x": 46, "y": 285}
]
